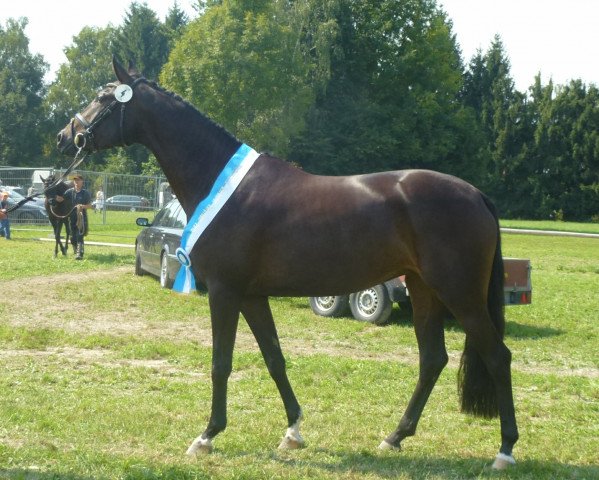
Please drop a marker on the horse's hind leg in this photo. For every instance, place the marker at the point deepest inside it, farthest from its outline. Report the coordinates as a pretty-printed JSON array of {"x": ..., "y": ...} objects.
[
  {"x": 428, "y": 324},
  {"x": 256, "y": 311},
  {"x": 489, "y": 360}
]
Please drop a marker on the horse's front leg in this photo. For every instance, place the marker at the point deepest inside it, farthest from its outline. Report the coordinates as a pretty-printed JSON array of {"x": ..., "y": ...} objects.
[
  {"x": 56, "y": 228},
  {"x": 63, "y": 248},
  {"x": 224, "y": 314},
  {"x": 67, "y": 229},
  {"x": 257, "y": 313}
]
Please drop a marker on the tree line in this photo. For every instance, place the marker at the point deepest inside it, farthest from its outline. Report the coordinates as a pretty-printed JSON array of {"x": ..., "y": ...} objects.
[{"x": 335, "y": 86}]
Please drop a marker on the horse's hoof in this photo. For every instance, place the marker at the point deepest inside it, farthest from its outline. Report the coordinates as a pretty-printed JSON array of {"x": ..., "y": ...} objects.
[
  {"x": 385, "y": 445},
  {"x": 503, "y": 461},
  {"x": 293, "y": 439},
  {"x": 200, "y": 446},
  {"x": 291, "y": 443}
]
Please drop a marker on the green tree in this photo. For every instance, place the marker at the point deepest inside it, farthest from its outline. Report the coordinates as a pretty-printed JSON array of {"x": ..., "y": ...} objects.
[
  {"x": 566, "y": 151},
  {"x": 21, "y": 92},
  {"x": 88, "y": 68},
  {"x": 143, "y": 40},
  {"x": 502, "y": 114},
  {"x": 146, "y": 42},
  {"x": 391, "y": 101},
  {"x": 240, "y": 64},
  {"x": 543, "y": 147},
  {"x": 175, "y": 23}
]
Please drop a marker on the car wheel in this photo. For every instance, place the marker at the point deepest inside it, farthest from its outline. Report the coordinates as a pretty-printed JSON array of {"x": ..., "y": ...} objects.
[
  {"x": 138, "y": 270},
  {"x": 165, "y": 280},
  {"x": 371, "y": 305},
  {"x": 329, "y": 306}
]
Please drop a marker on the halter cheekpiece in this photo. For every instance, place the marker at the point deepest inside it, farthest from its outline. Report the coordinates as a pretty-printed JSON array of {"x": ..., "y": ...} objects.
[{"x": 123, "y": 93}]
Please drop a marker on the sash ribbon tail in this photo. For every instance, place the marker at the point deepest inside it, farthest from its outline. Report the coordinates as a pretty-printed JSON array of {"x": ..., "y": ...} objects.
[{"x": 185, "y": 281}]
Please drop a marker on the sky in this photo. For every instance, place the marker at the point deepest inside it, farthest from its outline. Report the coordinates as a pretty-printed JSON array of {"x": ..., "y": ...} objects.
[{"x": 558, "y": 38}]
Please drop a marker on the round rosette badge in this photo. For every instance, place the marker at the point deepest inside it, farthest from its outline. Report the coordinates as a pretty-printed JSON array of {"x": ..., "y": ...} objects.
[
  {"x": 183, "y": 257},
  {"x": 123, "y": 93}
]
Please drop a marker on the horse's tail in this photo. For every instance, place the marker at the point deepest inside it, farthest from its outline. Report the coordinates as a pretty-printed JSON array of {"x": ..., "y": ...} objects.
[{"x": 476, "y": 387}]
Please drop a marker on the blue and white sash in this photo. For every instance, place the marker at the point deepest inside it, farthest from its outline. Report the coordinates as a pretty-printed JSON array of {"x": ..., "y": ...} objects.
[{"x": 224, "y": 186}]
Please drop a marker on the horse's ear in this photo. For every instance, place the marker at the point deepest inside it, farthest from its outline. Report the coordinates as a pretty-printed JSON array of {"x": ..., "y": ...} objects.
[
  {"x": 42, "y": 179},
  {"x": 120, "y": 72},
  {"x": 132, "y": 69}
]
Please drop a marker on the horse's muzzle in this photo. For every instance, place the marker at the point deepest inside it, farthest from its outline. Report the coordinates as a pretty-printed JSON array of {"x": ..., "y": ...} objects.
[{"x": 64, "y": 144}]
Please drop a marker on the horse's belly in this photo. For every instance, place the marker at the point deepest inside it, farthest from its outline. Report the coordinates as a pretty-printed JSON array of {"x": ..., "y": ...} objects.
[{"x": 314, "y": 268}]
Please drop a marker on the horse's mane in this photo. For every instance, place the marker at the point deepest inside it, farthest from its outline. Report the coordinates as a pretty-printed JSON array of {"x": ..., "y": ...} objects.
[{"x": 206, "y": 120}]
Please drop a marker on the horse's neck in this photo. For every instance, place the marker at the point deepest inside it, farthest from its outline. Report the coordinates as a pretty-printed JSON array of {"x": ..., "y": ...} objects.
[{"x": 190, "y": 149}]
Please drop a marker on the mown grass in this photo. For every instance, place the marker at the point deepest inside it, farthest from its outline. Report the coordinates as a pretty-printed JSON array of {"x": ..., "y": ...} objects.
[
  {"x": 578, "y": 227},
  {"x": 116, "y": 227},
  {"x": 116, "y": 382},
  {"x": 120, "y": 227}
]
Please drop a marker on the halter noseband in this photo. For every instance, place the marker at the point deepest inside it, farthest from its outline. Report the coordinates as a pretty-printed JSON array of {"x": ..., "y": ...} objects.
[{"x": 81, "y": 139}]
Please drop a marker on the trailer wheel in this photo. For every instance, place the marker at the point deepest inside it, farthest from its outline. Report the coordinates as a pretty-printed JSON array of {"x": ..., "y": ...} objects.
[
  {"x": 329, "y": 306},
  {"x": 371, "y": 305}
]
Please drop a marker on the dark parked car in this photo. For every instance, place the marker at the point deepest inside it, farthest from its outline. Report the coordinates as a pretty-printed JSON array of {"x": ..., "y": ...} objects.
[
  {"x": 156, "y": 244},
  {"x": 126, "y": 202},
  {"x": 30, "y": 212}
]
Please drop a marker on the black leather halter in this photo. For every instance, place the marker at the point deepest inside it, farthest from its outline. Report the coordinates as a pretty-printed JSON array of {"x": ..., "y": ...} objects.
[{"x": 82, "y": 139}]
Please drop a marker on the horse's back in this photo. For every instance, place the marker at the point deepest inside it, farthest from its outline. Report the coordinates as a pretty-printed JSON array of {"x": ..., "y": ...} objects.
[{"x": 307, "y": 234}]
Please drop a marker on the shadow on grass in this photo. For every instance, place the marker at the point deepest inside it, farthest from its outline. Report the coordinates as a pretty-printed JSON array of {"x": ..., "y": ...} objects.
[
  {"x": 519, "y": 330},
  {"x": 107, "y": 258},
  {"x": 390, "y": 465},
  {"x": 514, "y": 330},
  {"x": 368, "y": 464},
  {"x": 35, "y": 474},
  {"x": 403, "y": 317}
]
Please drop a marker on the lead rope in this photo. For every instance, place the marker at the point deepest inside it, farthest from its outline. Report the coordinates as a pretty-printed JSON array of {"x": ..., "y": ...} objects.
[
  {"x": 76, "y": 162},
  {"x": 62, "y": 217},
  {"x": 80, "y": 224}
]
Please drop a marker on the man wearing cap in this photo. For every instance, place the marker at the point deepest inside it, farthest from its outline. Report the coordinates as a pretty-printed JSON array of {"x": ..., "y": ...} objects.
[
  {"x": 4, "y": 221},
  {"x": 82, "y": 201}
]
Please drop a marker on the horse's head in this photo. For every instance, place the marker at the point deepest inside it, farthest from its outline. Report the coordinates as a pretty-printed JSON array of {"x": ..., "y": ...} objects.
[
  {"x": 53, "y": 188},
  {"x": 49, "y": 180},
  {"x": 103, "y": 123}
]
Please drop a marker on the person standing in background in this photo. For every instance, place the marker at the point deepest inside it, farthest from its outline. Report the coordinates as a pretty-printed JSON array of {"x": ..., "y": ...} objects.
[
  {"x": 4, "y": 220},
  {"x": 99, "y": 200},
  {"x": 81, "y": 200}
]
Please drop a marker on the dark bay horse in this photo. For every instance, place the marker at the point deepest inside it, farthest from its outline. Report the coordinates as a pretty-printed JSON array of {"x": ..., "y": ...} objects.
[
  {"x": 58, "y": 212},
  {"x": 286, "y": 232}
]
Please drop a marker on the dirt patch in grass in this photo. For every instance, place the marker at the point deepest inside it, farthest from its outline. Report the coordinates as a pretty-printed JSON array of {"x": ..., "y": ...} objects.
[{"x": 42, "y": 307}]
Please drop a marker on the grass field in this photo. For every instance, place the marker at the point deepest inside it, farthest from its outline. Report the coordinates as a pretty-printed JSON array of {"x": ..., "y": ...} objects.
[
  {"x": 106, "y": 376},
  {"x": 120, "y": 227}
]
